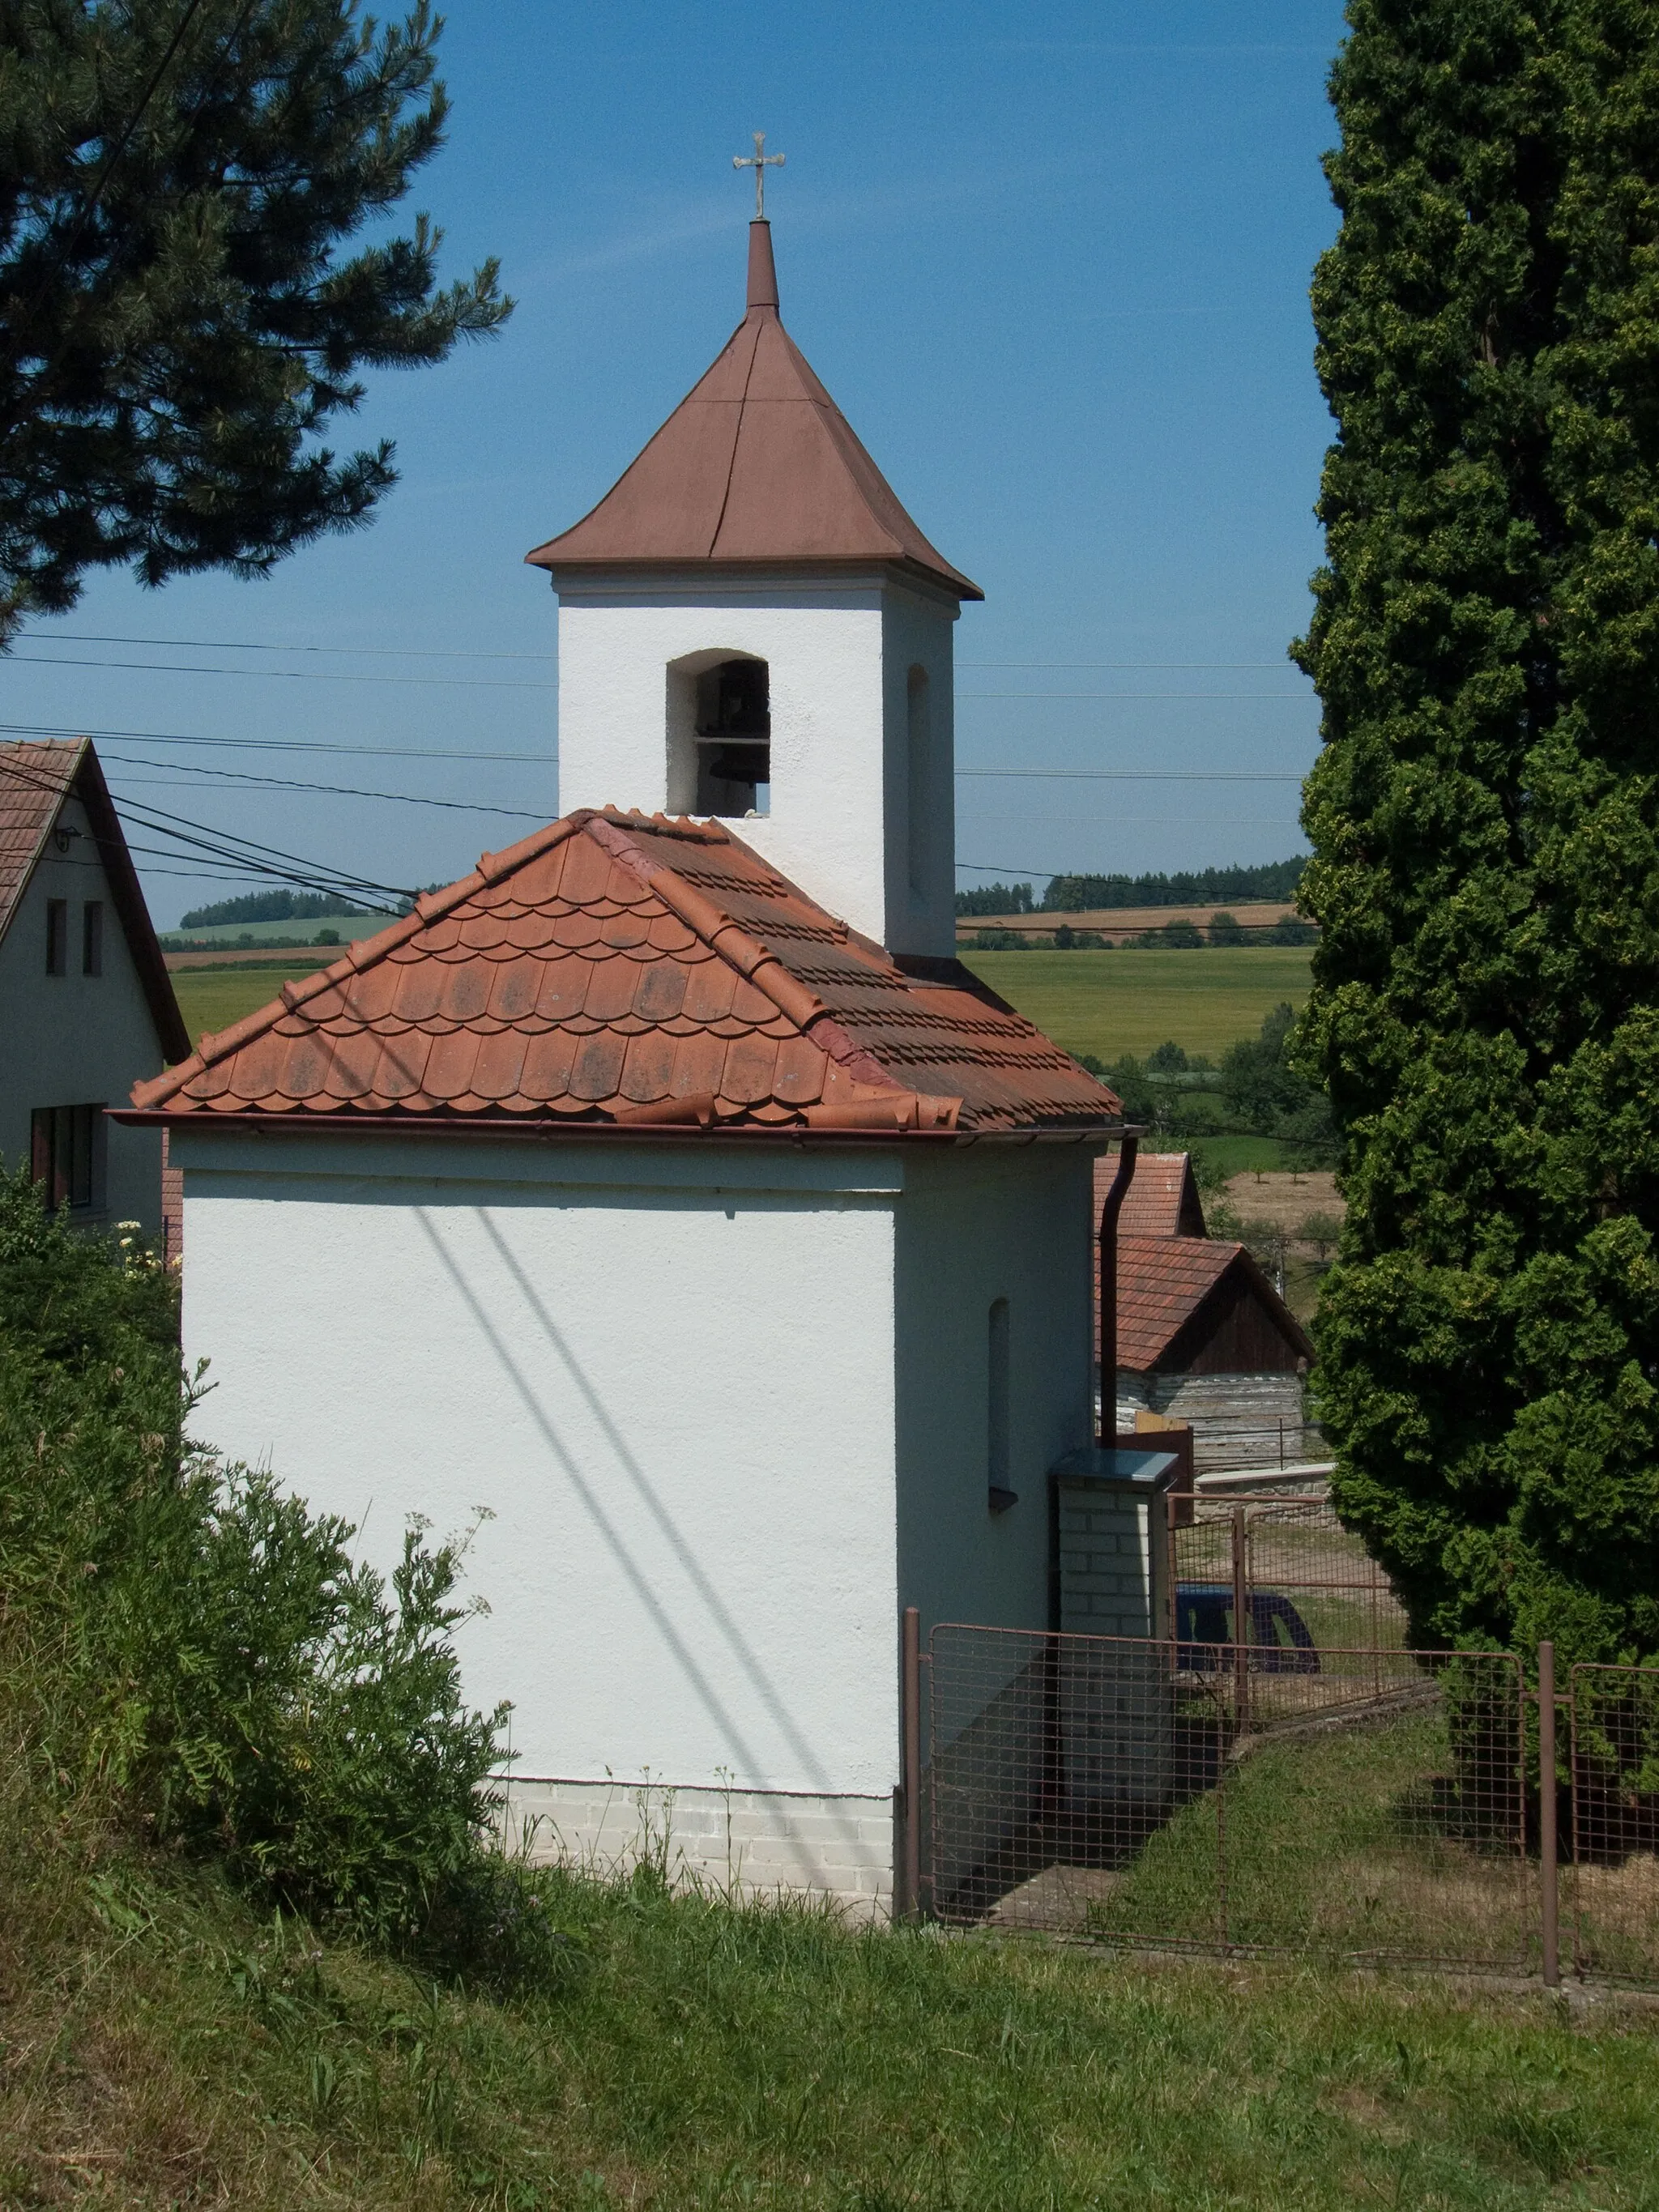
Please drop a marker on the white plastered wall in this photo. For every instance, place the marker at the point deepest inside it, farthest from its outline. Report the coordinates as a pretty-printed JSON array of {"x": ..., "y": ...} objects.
[
  {"x": 75, "y": 1040},
  {"x": 976, "y": 1226},
  {"x": 668, "y": 1376},
  {"x": 839, "y": 654}
]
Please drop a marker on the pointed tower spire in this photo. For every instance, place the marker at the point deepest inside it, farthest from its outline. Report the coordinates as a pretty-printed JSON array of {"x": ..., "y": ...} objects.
[
  {"x": 756, "y": 465},
  {"x": 762, "y": 272}
]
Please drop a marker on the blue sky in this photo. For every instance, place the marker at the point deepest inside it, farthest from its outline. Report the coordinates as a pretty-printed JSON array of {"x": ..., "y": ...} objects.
[{"x": 1053, "y": 262}]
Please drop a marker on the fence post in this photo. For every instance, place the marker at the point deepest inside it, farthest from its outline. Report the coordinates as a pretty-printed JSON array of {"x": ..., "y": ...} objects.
[
  {"x": 1240, "y": 1621},
  {"x": 1548, "y": 1868},
  {"x": 910, "y": 1724}
]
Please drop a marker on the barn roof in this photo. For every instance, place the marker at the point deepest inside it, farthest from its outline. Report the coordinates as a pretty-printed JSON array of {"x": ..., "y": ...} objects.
[
  {"x": 755, "y": 465},
  {"x": 623, "y": 969},
  {"x": 1162, "y": 1199},
  {"x": 36, "y": 778},
  {"x": 1164, "y": 1282}
]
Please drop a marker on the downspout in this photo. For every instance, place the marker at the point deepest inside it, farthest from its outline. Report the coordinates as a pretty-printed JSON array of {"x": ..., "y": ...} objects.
[{"x": 1107, "y": 1437}]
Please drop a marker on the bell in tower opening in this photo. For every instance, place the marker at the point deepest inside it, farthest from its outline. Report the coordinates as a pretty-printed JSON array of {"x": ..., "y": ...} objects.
[{"x": 734, "y": 739}]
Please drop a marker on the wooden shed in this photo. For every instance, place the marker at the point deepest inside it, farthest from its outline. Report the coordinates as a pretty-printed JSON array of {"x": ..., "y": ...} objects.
[{"x": 1202, "y": 1334}]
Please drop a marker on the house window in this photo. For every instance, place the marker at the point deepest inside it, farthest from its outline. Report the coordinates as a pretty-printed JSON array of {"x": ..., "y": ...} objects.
[
  {"x": 734, "y": 739},
  {"x": 997, "y": 1462},
  {"x": 66, "y": 1154},
  {"x": 917, "y": 762},
  {"x": 92, "y": 937},
  {"x": 58, "y": 937}
]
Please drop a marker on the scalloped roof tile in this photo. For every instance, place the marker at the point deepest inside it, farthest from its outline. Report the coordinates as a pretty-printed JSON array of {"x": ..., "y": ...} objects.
[{"x": 707, "y": 988}]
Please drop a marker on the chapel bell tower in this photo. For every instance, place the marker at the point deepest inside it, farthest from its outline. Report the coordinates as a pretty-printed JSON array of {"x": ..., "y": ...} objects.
[{"x": 751, "y": 627}]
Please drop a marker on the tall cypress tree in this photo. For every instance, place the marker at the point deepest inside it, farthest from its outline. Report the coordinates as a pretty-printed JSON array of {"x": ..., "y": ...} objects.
[{"x": 1486, "y": 642}]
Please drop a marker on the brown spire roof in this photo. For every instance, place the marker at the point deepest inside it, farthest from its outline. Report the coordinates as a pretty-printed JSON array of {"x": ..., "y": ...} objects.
[
  {"x": 619, "y": 969},
  {"x": 757, "y": 464}
]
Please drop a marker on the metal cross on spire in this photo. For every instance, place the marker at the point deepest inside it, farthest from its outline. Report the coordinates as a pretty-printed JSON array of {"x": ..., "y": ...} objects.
[{"x": 760, "y": 161}]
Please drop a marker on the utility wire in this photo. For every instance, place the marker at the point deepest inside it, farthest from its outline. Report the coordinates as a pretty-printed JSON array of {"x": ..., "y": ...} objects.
[
  {"x": 175, "y": 772},
  {"x": 232, "y": 645},
  {"x": 426, "y": 652},
  {"x": 1129, "y": 775},
  {"x": 548, "y": 759},
  {"x": 279, "y": 675},
  {"x": 223, "y": 845}
]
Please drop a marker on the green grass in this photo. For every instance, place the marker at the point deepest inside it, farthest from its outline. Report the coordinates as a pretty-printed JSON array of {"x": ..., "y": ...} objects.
[
  {"x": 1334, "y": 1842},
  {"x": 213, "y": 997},
  {"x": 1110, "y": 1003},
  {"x": 164, "y": 2049}
]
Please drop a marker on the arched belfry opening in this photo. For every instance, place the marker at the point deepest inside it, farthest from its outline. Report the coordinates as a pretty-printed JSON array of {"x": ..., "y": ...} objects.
[{"x": 720, "y": 735}]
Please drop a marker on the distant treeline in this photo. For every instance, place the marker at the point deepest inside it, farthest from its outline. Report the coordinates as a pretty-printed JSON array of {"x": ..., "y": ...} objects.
[
  {"x": 271, "y": 906},
  {"x": 1273, "y": 879}
]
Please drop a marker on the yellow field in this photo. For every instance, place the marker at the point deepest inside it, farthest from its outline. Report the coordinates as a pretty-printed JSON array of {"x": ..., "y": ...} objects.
[{"x": 1110, "y": 1003}]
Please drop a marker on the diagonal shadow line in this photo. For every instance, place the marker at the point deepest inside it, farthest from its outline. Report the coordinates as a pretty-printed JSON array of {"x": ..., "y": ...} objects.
[
  {"x": 760, "y": 1681},
  {"x": 619, "y": 1551}
]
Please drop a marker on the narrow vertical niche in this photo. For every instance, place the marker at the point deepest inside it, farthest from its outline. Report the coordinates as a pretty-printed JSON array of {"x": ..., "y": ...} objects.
[
  {"x": 918, "y": 764},
  {"x": 997, "y": 1465}
]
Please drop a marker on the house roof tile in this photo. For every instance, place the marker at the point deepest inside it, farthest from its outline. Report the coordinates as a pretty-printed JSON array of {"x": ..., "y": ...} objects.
[
  {"x": 613, "y": 963},
  {"x": 36, "y": 777},
  {"x": 1161, "y": 1282},
  {"x": 1162, "y": 1199}
]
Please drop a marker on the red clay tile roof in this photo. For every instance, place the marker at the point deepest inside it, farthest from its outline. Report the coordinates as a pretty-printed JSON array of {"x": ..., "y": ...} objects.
[
  {"x": 622, "y": 968},
  {"x": 1162, "y": 1199},
  {"x": 1161, "y": 1281},
  {"x": 35, "y": 779},
  {"x": 757, "y": 464}
]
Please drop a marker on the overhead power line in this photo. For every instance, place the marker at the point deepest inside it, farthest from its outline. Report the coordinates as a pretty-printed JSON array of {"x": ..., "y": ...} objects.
[
  {"x": 432, "y": 652},
  {"x": 175, "y": 774},
  {"x": 283, "y": 675},
  {"x": 1129, "y": 775},
  {"x": 247, "y": 645},
  {"x": 270, "y": 744},
  {"x": 199, "y": 840}
]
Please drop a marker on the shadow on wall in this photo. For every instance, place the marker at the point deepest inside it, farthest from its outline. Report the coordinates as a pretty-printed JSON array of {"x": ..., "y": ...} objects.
[{"x": 746, "y": 1660}]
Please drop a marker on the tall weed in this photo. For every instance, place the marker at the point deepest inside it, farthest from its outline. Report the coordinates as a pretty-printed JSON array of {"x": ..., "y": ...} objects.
[{"x": 191, "y": 1638}]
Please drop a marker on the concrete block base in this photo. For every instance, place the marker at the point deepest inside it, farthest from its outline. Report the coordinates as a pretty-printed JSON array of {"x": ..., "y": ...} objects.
[{"x": 742, "y": 1843}]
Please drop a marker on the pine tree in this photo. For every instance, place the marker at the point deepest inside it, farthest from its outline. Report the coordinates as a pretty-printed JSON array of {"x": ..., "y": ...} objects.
[
  {"x": 177, "y": 325},
  {"x": 1483, "y": 817}
]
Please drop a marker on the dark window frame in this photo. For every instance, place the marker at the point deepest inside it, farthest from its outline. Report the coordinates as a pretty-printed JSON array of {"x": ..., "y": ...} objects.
[
  {"x": 67, "y": 1155},
  {"x": 92, "y": 937},
  {"x": 58, "y": 937}
]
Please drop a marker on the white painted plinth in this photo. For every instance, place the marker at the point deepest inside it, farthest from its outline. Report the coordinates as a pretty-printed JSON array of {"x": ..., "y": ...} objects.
[{"x": 736, "y": 1843}]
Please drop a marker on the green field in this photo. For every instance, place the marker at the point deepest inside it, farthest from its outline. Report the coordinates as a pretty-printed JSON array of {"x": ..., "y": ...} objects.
[
  {"x": 344, "y": 925},
  {"x": 1105, "y": 1003},
  {"x": 213, "y": 997},
  {"x": 1110, "y": 1003}
]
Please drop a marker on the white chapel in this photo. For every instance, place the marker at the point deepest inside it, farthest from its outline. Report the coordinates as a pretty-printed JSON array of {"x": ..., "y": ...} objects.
[{"x": 695, "y": 1213}]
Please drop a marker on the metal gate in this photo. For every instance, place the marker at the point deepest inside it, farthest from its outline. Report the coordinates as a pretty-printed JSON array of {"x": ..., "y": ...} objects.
[{"x": 1201, "y": 1794}]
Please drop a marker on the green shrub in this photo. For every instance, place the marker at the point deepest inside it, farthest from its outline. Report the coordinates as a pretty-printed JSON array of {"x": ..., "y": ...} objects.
[{"x": 196, "y": 1640}]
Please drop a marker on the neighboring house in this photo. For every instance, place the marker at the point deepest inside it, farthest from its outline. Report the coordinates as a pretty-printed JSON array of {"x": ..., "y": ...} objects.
[
  {"x": 695, "y": 1213},
  {"x": 1202, "y": 1334},
  {"x": 87, "y": 1009}
]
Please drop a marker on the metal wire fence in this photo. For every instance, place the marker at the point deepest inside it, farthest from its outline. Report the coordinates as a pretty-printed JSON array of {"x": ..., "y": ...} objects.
[
  {"x": 1195, "y": 1793},
  {"x": 1283, "y": 1567},
  {"x": 1613, "y": 1879}
]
